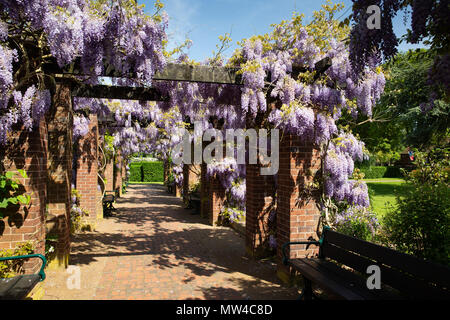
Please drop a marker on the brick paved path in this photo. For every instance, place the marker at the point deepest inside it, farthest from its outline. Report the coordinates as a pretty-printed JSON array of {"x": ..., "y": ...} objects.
[{"x": 155, "y": 249}]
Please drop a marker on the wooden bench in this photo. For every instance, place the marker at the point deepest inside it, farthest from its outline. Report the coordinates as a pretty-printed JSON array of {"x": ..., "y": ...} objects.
[
  {"x": 108, "y": 202},
  {"x": 402, "y": 276},
  {"x": 171, "y": 187},
  {"x": 194, "y": 202},
  {"x": 18, "y": 287}
]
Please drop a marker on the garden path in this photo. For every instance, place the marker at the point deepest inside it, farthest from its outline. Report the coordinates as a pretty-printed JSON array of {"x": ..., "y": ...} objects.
[{"x": 154, "y": 249}]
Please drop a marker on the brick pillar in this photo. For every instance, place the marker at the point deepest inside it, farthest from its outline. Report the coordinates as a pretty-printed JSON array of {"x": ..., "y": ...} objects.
[
  {"x": 189, "y": 177},
  {"x": 166, "y": 168},
  {"x": 109, "y": 175},
  {"x": 27, "y": 151},
  {"x": 118, "y": 172},
  {"x": 178, "y": 191},
  {"x": 216, "y": 199},
  {"x": 59, "y": 165},
  {"x": 297, "y": 219},
  {"x": 259, "y": 203},
  {"x": 204, "y": 192},
  {"x": 87, "y": 170}
]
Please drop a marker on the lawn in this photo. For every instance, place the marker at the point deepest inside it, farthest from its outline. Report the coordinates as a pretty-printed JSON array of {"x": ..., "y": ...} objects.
[
  {"x": 137, "y": 182},
  {"x": 382, "y": 193}
]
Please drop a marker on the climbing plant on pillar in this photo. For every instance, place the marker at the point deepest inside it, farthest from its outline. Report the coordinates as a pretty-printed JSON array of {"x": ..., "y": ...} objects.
[{"x": 12, "y": 191}]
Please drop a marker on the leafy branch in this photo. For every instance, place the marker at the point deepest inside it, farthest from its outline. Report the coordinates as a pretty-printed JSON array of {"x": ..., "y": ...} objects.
[{"x": 11, "y": 190}]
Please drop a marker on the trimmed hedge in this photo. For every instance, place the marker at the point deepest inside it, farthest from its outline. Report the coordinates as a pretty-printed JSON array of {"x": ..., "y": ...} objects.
[
  {"x": 135, "y": 172},
  {"x": 147, "y": 171},
  {"x": 152, "y": 171},
  {"x": 393, "y": 172},
  {"x": 377, "y": 172}
]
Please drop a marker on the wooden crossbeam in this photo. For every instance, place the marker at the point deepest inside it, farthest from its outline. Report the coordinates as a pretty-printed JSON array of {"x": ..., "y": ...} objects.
[
  {"x": 205, "y": 74},
  {"x": 118, "y": 92},
  {"x": 184, "y": 72}
]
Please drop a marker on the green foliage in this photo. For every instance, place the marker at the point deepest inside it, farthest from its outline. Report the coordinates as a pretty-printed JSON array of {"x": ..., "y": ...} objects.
[
  {"x": 135, "y": 172},
  {"x": 11, "y": 268},
  {"x": 11, "y": 190},
  {"x": 147, "y": 172},
  {"x": 393, "y": 172},
  {"x": 361, "y": 224},
  {"x": 153, "y": 171},
  {"x": 378, "y": 172},
  {"x": 373, "y": 172},
  {"x": 50, "y": 245},
  {"x": 195, "y": 187},
  {"x": 109, "y": 147},
  {"x": 420, "y": 224},
  {"x": 77, "y": 214}
]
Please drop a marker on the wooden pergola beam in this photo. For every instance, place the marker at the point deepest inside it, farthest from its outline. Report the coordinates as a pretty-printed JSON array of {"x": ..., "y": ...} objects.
[
  {"x": 118, "y": 92},
  {"x": 202, "y": 74},
  {"x": 184, "y": 72}
]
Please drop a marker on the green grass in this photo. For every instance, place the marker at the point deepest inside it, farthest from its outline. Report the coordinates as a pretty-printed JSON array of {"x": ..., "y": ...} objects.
[
  {"x": 382, "y": 193},
  {"x": 138, "y": 182}
]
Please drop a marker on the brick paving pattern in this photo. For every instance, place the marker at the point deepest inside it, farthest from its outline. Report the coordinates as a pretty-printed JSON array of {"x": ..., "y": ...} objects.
[{"x": 154, "y": 249}]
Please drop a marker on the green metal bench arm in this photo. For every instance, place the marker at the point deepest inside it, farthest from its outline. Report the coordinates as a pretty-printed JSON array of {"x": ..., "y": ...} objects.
[
  {"x": 283, "y": 248},
  {"x": 40, "y": 256},
  {"x": 317, "y": 243}
]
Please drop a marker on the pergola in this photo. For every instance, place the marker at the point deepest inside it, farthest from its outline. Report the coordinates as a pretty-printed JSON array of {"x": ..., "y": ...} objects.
[{"x": 53, "y": 166}]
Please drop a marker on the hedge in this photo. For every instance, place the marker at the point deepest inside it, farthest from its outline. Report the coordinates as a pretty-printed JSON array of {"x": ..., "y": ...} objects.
[
  {"x": 147, "y": 172},
  {"x": 393, "y": 172},
  {"x": 152, "y": 171},
  {"x": 135, "y": 172},
  {"x": 377, "y": 172}
]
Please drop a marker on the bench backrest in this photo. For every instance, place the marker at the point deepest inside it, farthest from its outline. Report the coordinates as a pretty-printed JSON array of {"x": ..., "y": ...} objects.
[{"x": 406, "y": 273}]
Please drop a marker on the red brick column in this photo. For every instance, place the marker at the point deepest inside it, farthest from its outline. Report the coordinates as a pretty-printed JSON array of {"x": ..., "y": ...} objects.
[
  {"x": 109, "y": 175},
  {"x": 204, "y": 192},
  {"x": 166, "y": 169},
  {"x": 178, "y": 191},
  {"x": 189, "y": 177},
  {"x": 297, "y": 218},
  {"x": 216, "y": 199},
  {"x": 27, "y": 151},
  {"x": 87, "y": 171},
  {"x": 124, "y": 169},
  {"x": 259, "y": 203},
  {"x": 59, "y": 165},
  {"x": 118, "y": 172}
]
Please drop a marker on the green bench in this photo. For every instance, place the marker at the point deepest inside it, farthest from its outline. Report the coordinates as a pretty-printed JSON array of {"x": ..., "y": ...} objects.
[
  {"x": 171, "y": 187},
  {"x": 341, "y": 268},
  {"x": 18, "y": 287},
  {"x": 108, "y": 201},
  {"x": 194, "y": 202}
]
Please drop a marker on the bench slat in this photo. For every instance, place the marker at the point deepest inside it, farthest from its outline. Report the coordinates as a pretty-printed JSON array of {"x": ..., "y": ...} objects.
[
  {"x": 357, "y": 282},
  {"x": 327, "y": 280},
  {"x": 18, "y": 287},
  {"x": 412, "y": 287},
  {"x": 427, "y": 270}
]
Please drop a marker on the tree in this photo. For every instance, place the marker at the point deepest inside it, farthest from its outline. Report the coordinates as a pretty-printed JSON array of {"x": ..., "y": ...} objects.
[
  {"x": 429, "y": 22},
  {"x": 407, "y": 116}
]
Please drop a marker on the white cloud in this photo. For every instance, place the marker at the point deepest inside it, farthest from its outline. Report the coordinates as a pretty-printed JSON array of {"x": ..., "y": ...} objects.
[{"x": 182, "y": 20}]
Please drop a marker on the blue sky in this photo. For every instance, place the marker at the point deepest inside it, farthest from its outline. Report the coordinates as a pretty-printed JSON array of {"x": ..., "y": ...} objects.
[{"x": 203, "y": 21}]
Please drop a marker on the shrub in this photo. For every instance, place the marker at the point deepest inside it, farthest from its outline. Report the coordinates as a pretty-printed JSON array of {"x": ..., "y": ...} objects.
[
  {"x": 420, "y": 224},
  {"x": 11, "y": 268},
  {"x": 393, "y": 172},
  {"x": 135, "y": 172},
  {"x": 373, "y": 172},
  {"x": 146, "y": 172},
  {"x": 357, "y": 222},
  {"x": 152, "y": 171}
]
